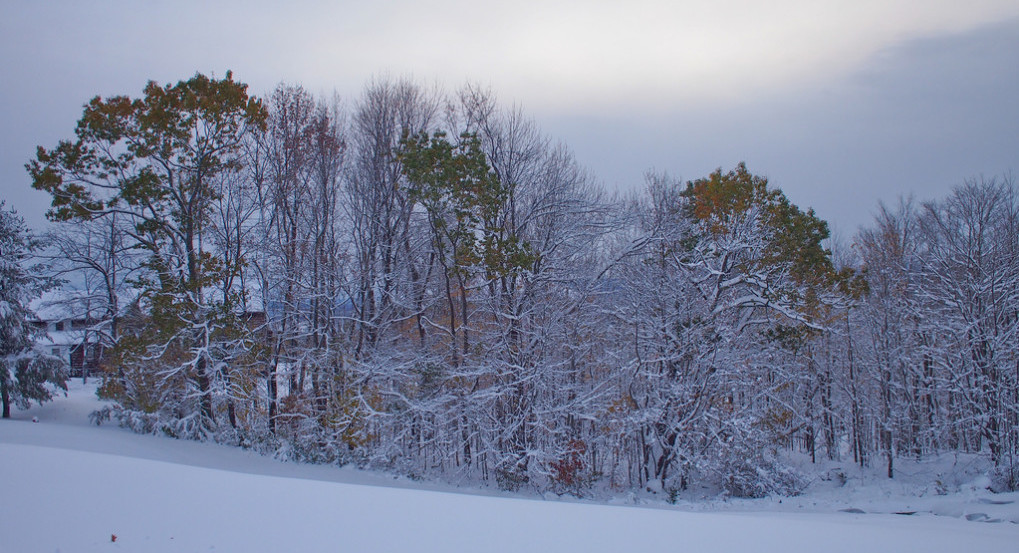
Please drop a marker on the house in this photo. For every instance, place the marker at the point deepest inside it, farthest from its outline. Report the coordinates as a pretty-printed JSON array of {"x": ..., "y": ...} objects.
[{"x": 75, "y": 326}]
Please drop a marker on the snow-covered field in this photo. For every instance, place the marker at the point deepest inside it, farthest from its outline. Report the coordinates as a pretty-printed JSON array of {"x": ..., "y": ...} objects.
[{"x": 71, "y": 487}]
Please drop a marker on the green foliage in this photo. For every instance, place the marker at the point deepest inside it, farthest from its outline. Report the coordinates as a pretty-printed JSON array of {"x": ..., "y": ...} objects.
[
  {"x": 25, "y": 374},
  {"x": 159, "y": 162},
  {"x": 36, "y": 377},
  {"x": 722, "y": 198},
  {"x": 464, "y": 199},
  {"x": 852, "y": 283},
  {"x": 135, "y": 380},
  {"x": 154, "y": 153},
  {"x": 793, "y": 237}
]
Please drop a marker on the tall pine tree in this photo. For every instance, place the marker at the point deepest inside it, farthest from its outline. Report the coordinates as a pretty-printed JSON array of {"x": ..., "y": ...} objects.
[{"x": 25, "y": 373}]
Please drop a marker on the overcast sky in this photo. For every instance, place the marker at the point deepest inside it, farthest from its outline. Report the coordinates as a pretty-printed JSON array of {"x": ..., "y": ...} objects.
[{"x": 839, "y": 103}]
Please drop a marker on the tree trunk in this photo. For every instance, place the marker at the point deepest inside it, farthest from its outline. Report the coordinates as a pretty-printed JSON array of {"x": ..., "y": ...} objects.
[
  {"x": 205, "y": 391},
  {"x": 271, "y": 387},
  {"x": 6, "y": 400}
]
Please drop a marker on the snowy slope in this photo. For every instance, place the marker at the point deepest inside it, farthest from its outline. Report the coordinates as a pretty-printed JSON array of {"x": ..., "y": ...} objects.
[{"x": 69, "y": 487}]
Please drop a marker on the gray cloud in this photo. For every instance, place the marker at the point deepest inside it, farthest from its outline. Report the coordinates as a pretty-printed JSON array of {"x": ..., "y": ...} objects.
[{"x": 918, "y": 116}]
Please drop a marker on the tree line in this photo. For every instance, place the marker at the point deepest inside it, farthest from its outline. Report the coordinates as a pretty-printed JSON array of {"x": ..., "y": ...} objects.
[{"x": 426, "y": 283}]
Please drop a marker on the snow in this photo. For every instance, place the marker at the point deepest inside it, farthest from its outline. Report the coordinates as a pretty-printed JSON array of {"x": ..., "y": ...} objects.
[
  {"x": 70, "y": 303},
  {"x": 71, "y": 487}
]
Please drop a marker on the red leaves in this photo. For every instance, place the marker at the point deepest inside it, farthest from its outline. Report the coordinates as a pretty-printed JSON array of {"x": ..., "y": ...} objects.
[{"x": 568, "y": 470}]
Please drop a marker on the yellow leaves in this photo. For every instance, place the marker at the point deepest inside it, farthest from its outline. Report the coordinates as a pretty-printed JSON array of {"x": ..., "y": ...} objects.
[
  {"x": 777, "y": 420},
  {"x": 349, "y": 414},
  {"x": 720, "y": 199},
  {"x": 622, "y": 404}
]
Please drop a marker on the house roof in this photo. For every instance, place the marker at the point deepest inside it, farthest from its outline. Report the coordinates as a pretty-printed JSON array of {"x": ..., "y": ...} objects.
[
  {"x": 69, "y": 304},
  {"x": 61, "y": 338}
]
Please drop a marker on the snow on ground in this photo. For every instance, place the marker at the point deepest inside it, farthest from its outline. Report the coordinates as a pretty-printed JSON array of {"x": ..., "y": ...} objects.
[
  {"x": 71, "y": 487},
  {"x": 952, "y": 485}
]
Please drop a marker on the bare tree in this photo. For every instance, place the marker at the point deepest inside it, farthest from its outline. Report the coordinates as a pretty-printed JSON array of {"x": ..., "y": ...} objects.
[{"x": 967, "y": 287}]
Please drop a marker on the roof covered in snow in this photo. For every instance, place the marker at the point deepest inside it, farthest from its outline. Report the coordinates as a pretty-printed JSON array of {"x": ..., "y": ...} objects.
[{"x": 71, "y": 304}]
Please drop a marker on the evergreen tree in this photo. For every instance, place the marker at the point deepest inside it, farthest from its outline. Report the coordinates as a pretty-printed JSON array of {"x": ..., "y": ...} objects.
[{"x": 25, "y": 373}]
